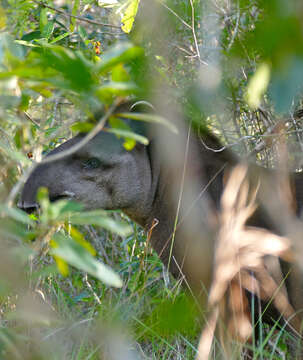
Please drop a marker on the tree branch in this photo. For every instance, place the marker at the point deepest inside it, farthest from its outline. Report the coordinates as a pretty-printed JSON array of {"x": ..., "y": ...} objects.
[{"x": 75, "y": 16}]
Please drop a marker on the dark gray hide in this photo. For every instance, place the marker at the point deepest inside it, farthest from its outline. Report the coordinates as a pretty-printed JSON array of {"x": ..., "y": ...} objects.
[{"x": 104, "y": 175}]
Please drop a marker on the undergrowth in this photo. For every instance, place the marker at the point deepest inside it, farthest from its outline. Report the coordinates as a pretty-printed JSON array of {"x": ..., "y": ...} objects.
[{"x": 150, "y": 317}]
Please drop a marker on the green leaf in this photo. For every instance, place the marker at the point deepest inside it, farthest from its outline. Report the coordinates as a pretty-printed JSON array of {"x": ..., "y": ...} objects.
[
  {"x": 116, "y": 89},
  {"x": 120, "y": 128},
  {"x": 128, "y": 135},
  {"x": 74, "y": 254},
  {"x": 8, "y": 45},
  {"x": 43, "y": 19},
  {"x": 120, "y": 53},
  {"x": 57, "y": 211},
  {"x": 67, "y": 206},
  {"x": 26, "y": 43},
  {"x": 82, "y": 32},
  {"x": 129, "y": 15},
  {"x": 79, "y": 237},
  {"x": 16, "y": 214},
  {"x": 82, "y": 127},
  {"x": 73, "y": 70},
  {"x": 74, "y": 13},
  {"x": 119, "y": 74},
  {"x": 100, "y": 218},
  {"x": 149, "y": 118},
  {"x": 61, "y": 265},
  {"x": 2, "y": 18},
  {"x": 13, "y": 154},
  {"x": 48, "y": 30},
  {"x": 60, "y": 37}
]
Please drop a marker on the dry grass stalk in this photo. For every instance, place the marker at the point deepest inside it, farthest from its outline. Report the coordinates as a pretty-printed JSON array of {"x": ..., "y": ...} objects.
[{"x": 240, "y": 265}]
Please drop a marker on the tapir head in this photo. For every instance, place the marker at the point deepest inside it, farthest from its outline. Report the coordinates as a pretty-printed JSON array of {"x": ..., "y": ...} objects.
[{"x": 101, "y": 174}]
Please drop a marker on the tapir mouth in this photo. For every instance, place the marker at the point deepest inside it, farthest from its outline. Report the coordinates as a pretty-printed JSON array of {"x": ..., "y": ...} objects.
[{"x": 28, "y": 207}]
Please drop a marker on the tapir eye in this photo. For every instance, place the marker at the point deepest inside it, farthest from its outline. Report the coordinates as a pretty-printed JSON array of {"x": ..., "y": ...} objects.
[{"x": 92, "y": 163}]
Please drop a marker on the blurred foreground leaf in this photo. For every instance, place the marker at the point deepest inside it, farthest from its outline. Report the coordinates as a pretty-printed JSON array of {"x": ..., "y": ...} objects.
[
  {"x": 70, "y": 211},
  {"x": 74, "y": 254},
  {"x": 149, "y": 118},
  {"x": 100, "y": 218},
  {"x": 258, "y": 85},
  {"x": 120, "y": 53},
  {"x": 15, "y": 214}
]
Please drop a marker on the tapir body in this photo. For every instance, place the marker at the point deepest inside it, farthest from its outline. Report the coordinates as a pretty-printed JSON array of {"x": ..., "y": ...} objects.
[{"x": 179, "y": 201}]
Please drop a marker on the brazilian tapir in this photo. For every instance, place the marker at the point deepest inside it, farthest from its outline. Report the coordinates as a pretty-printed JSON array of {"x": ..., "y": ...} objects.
[{"x": 180, "y": 200}]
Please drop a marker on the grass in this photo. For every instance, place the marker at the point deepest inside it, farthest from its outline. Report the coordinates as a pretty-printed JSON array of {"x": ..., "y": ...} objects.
[{"x": 76, "y": 317}]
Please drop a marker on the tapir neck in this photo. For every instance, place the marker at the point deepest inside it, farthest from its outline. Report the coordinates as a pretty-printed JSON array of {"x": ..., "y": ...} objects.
[{"x": 175, "y": 226}]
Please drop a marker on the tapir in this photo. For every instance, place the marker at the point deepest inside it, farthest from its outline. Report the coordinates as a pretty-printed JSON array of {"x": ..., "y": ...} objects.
[{"x": 177, "y": 201}]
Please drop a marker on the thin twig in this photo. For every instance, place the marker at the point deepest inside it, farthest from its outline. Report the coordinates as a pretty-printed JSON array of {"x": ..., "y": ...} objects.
[
  {"x": 75, "y": 16},
  {"x": 83, "y": 141},
  {"x": 96, "y": 239},
  {"x": 54, "y": 119},
  {"x": 88, "y": 284},
  {"x": 175, "y": 14},
  {"x": 31, "y": 119},
  {"x": 189, "y": 53},
  {"x": 180, "y": 195},
  {"x": 236, "y": 27},
  {"x": 193, "y": 28},
  {"x": 65, "y": 329}
]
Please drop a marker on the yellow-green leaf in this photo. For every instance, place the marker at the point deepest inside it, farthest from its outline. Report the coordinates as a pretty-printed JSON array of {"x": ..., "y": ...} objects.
[
  {"x": 129, "y": 15},
  {"x": 75, "y": 255},
  {"x": 43, "y": 19},
  {"x": 61, "y": 265},
  {"x": 257, "y": 85},
  {"x": 2, "y": 18},
  {"x": 74, "y": 13},
  {"x": 77, "y": 236}
]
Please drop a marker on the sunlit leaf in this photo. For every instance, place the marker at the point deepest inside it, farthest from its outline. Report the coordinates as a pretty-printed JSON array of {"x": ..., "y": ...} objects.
[
  {"x": 129, "y": 135},
  {"x": 108, "y": 3},
  {"x": 149, "y": 118},
  {"x": 100, "y": 217},
  {"x": 258, "y": 85},
  {"x": 2, "y": 18},
  {"x": 129, "y": 15},
  {"x": 60, "y": 37},
  {"x": 74, "y": 13},
  {"x": 112, "y": 89},
  {"x": 62, "y": 265},
  {"x": 74, "y": 254},
  {"x": 79, "y": 237}
]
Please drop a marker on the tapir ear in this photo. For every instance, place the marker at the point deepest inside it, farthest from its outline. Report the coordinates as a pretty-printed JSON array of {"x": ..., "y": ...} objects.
[
  {"x": 142, "y": 106},
  {"x": 140, "y": 127}
]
